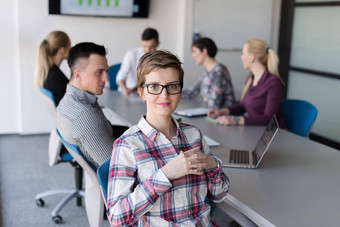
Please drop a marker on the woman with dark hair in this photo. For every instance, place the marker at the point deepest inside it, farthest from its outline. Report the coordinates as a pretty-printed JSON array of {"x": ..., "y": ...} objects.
[{"x": 215, "y": 84}]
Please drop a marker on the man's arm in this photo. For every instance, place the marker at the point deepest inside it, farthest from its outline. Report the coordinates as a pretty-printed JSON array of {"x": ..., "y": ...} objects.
[
  {"x": 93, "y": 135},
  {"x": 124, "y": 73}
]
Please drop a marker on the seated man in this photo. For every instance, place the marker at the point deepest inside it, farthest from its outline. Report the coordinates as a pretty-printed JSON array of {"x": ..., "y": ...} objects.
[
  {"x": 127, "y": 76},
  {"x": 80, "y": 120}
]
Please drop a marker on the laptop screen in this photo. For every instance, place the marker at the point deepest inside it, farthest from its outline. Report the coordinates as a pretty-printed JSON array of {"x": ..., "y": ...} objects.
[{"x": 266, "y": 139}]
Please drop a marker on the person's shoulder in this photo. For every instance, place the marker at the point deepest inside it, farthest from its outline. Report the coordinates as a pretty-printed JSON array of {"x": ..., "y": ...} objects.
[
  {"x": 188, "y": 127},
  {"x": 221, "y": 68},
  {"x": 273, "y": 80},
  {"x": 131, "y": 137},
  {"x": 134, "y": 51},
  {"x": 72, "y": 109}
]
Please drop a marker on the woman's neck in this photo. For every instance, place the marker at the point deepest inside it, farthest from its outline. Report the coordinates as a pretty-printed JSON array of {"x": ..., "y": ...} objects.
[
  {"x": 57, "y": 59},
  {"x": 209, "y": 64},
  {"x": 163, "y": 124},
  {"x": 257, "y": 70}
]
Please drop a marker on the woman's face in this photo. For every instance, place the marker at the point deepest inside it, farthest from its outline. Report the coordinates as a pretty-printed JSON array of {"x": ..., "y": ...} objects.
[
  {"x": 197, "y": 55},
  {"x": 246, "y": 58},
  {"x": 67, "y": 51},
  {"x": 163, "y": 104}
]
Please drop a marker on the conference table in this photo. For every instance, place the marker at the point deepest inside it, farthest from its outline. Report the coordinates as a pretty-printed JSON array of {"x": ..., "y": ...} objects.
[{"x": 296, "y": 184}]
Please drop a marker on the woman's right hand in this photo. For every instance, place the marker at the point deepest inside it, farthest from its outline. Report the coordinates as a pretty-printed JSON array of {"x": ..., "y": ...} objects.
[{"x": 214, "y": 113}]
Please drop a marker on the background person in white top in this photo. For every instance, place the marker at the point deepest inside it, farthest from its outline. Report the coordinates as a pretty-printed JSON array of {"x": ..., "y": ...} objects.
[{"x": 127, "y": 76}]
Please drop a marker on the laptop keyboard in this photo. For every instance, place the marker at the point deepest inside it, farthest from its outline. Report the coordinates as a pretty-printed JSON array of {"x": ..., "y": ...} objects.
[{"x": 239, "y": 156}]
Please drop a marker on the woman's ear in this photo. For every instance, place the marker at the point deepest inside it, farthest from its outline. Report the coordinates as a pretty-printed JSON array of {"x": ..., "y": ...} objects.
[
  {"x": 253, "y": 58},
  {"x": 140, "y": 93}
]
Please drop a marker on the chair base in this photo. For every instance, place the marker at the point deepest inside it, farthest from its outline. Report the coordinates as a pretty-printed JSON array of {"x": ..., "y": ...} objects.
[{"x": 73, "y": 193}]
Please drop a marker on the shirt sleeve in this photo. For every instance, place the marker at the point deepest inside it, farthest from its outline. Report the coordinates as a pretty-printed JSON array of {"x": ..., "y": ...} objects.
[
  {"x": 125, "y": 68},
  {"x": 273, "y": 104},
  {"x": 128, "y": 199},
  {"x": 218, "y": 182},
  {"x": 93, "y": 135},
  {"x": 221, "y": 89},
  {"x": 192, "y": 92},
  {"x": 237, "y": 109}
]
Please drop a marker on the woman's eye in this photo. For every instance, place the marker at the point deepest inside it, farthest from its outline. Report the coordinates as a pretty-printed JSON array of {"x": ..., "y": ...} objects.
[
  {"x": 154, "y": 86},
  {"x": 173, "y": 86}
]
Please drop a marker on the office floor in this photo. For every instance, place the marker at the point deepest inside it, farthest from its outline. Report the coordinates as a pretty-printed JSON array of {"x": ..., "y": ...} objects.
[{"x": 24, "y": 172}]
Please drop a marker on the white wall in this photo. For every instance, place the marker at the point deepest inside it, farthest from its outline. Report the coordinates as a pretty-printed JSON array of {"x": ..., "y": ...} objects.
[
  {"x": 230, "y": 23},
  {"x": 9, "y": 96},
  {"x": 28, "y": 22}
]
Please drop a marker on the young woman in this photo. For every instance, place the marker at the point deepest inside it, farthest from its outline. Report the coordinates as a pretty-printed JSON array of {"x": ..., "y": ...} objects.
[
  {"x": 262, "y": 94},
  {"x": 52, "y": 51},
  {"x": 215, "y": 84},
  {"x": 162, "y": 172}
]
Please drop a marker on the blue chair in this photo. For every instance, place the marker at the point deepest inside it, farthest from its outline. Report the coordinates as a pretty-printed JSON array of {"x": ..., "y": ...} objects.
[
  {"x": 103, "y": 175},
  {"x": 58, "y": 154},
  {"x": 112, "y": 74},
  {"x": 299, "y": 116},
  {"x": 93, "y": 203}
]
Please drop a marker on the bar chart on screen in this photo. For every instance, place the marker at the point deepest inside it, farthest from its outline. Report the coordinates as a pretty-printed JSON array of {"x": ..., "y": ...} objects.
[{"x": 123, "y": 8}]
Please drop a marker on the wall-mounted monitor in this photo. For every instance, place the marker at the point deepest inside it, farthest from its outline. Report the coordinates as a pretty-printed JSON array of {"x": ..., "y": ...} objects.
[{"x": 100, "y": 8}]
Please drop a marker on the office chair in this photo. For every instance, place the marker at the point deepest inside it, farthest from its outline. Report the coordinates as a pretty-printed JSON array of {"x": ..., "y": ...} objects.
[
  {"x": 299, "y": 116},
  {"x": 103, "y": 175},
  {"x": 112, "y": 73},
  {"x": 93, "y": 203},
  {"x": 58, "y": 154}
]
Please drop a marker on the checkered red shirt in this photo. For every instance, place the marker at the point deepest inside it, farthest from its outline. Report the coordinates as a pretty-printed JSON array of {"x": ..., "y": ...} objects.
[{"x": 140, "y": 194}]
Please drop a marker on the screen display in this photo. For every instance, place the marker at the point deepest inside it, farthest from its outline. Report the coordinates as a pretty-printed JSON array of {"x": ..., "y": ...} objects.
[{"x": 100, "y": 8}]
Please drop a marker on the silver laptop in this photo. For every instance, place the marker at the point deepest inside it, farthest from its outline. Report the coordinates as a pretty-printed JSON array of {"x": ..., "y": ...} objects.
[{"x": 246, "y": 158}]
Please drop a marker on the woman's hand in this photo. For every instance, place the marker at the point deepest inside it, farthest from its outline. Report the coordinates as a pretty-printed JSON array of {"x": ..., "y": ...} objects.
[
  {"x": 190, "y": 162},
  {"x": 225, "y": 120},
  {"x": 229, "y": 120},
  {"x": 214, "y": 113}
]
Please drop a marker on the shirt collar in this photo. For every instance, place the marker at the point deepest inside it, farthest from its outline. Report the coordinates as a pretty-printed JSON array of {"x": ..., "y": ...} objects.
[
  {"x": 151, "y": 132},
  {"x": 81, "y": 94}
]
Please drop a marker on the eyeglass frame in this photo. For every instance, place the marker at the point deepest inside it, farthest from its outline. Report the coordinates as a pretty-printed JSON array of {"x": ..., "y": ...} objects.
[{"x": 163, "y": 86}]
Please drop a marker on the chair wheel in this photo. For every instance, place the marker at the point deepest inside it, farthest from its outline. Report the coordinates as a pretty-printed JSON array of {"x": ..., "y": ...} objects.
[
  {"x": 57, "y": 219},
  {"x": 40, "y": 202}
]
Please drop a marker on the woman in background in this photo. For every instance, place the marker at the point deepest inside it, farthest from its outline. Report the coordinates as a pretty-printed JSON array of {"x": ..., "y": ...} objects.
[
  {"x": 215, "y": 84},
  {"x": 262, "y": 94},
  {"x": 52, "y": 51}
]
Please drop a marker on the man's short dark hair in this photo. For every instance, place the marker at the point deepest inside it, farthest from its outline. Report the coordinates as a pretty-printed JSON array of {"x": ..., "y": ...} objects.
[
  {"x": 208, "y": 44},
  {"x": 149, "y": 34},
  {"x": 83, "y": 51}
]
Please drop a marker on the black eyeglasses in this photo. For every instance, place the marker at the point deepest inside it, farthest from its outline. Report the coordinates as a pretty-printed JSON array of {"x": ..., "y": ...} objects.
[{"x": 156, "y": 89}]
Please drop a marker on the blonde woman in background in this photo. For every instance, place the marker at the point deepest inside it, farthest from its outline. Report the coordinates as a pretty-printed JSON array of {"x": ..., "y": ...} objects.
[
  {"x": 52, "y": 51},
  {"x": 262, "y": 94}
]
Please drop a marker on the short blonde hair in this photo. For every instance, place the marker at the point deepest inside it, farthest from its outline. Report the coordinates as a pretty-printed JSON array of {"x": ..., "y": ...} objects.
[{"x": 159, "y": 59}]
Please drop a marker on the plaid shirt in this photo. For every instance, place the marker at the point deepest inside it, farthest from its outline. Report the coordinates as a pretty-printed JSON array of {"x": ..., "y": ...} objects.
[
  {"x": 140, "y": 194},
  {"x": 215, "y": 87}
]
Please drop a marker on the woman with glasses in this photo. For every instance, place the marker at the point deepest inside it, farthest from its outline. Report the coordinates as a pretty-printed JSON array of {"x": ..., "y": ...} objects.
[
  {"x": 262, "y": 94},
  {"x": 162, "y": 173},
  {"x": 215, "y": 84}
]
